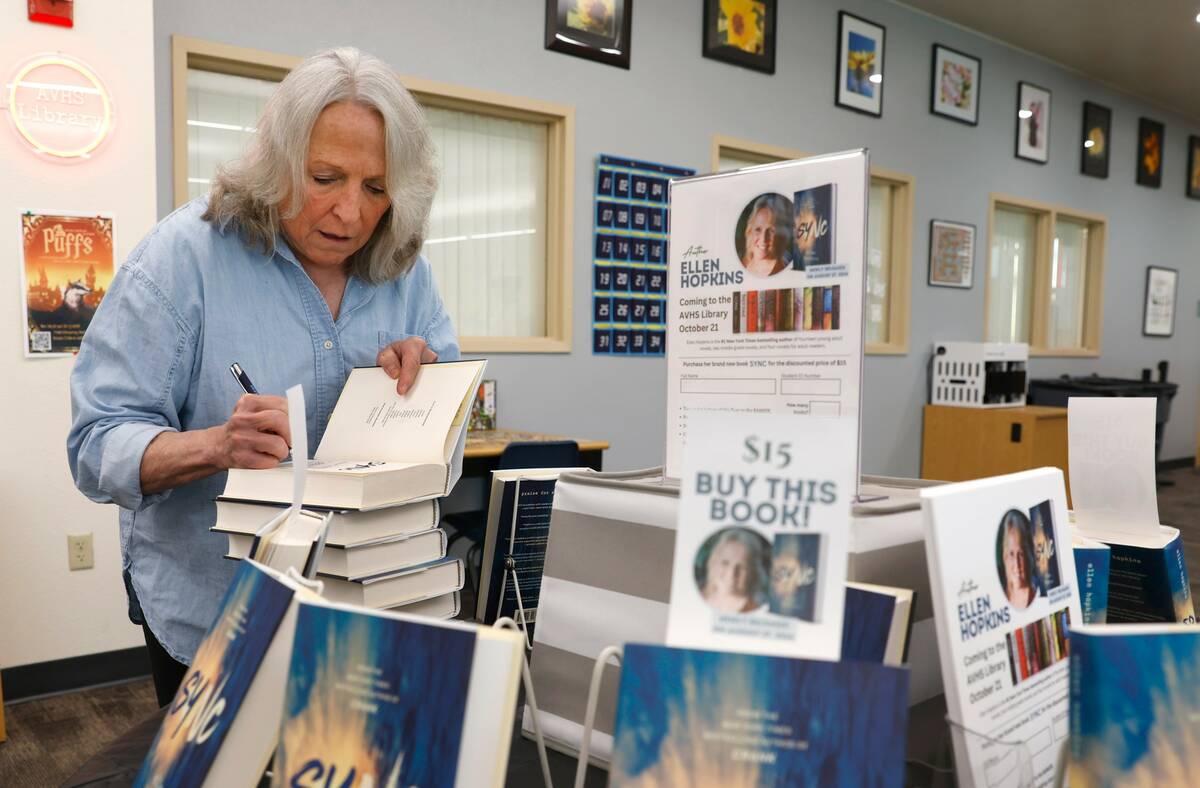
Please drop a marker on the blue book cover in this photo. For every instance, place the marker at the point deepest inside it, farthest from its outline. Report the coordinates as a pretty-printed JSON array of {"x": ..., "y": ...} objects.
[
  {"x": 866, "y": 624},
  {"x": 1149, "y": 584},
  {"x": 1135, "y": 699},
  {"x": 795, "y": 567},
  {"x": 1092, "y": 570},
  {"x": 710, "y": 719},
  {"x": 522, "y": 535},
  {"x": 814, "y": 228},
  {"x": 217, "y": 681},
  {"x": 373, "y": 700}
]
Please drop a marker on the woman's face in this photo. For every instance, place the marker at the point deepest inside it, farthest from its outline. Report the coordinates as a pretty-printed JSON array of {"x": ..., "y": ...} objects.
[
  {"x": 760, "y": 235},
  {"x": 729, "y": 569},
  {"x": 1014, "y": 559},
  {"x": 345, "y": 186},
  {"x": 1042, "y": 550}
]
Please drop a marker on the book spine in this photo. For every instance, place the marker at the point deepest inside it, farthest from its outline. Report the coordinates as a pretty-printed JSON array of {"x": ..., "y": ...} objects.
[
  {"x": 768, "y": 298},
  {"x": 762, "y": 310},
  {"x": 1012, "y": 658},
  {"x": 1021, "y": 653},
  {"x": 737, "y": 311},
  {"x": 1181, "y": 597},
  {"x": 837, "y": 307},
  {"x": 752, "y": 311},
  {"x": 827, "y": 315},
  {"x": 1076, "y": 698},
  {"x": 744, "y": 321},
  {"x": 808, "y": 307},
  {"x": 818, "y": 308},
  {"x": 797, "y": 309}
]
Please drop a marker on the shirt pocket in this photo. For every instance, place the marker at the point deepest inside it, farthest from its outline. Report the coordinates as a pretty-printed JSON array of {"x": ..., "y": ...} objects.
[{"x": 388, "y": 337}]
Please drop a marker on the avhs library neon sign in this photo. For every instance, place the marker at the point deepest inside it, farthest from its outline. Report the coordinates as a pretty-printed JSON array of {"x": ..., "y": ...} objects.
[{"x": 59, "y": 107}]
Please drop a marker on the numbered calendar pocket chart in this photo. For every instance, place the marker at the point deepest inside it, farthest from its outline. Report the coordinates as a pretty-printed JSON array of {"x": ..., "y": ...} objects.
[{"x": 629, "y": 282}]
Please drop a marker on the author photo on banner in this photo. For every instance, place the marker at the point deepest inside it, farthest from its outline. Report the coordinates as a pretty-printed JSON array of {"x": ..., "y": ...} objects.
[
  {"x": 763, "y": 236},
  {"x": 731, "y": 569},
  {"x": 1015, "y": 562}
]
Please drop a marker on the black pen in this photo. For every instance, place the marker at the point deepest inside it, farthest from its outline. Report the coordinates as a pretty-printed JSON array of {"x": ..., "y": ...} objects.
[{"x": 242, "y": 378}]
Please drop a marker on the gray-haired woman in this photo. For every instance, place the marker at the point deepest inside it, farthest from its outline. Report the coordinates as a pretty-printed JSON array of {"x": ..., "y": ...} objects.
[{"x": 302, "y": 263}]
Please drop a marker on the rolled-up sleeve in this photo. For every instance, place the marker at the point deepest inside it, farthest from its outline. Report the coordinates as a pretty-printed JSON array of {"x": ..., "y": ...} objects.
[{"x": 129, "y": 382}]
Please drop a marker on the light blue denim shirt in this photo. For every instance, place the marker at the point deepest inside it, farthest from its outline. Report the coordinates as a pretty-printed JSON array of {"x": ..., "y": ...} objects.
[{"x": 188, "y": 302}]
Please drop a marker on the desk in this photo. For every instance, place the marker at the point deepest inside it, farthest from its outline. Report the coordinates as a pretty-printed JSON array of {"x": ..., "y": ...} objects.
[
  {"x": 484, "y": 448},
  {"x": 972, "y": 443}
]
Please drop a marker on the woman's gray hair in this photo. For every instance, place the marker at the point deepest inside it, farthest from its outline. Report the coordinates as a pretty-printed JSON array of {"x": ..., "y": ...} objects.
[{"x": 250, "y": 192}]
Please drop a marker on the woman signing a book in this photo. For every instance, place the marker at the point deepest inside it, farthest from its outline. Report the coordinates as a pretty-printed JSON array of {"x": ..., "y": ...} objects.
[{"x": 302, "y": 263}]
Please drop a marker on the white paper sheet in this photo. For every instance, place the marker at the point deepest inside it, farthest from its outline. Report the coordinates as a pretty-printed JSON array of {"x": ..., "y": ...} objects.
[{"x": 1111, "y": 455}]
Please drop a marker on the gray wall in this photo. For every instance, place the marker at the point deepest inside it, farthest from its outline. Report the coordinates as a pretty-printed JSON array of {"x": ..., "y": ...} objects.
[{"x": 668, "y": 106}]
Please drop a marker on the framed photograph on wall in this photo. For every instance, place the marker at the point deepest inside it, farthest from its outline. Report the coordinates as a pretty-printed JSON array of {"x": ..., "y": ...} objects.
[
  {"x": 1033, "y": 123},
  {"x": 951, "y": 253},
  {"x": 1158, "y": 319},
  {"x": 1097, "y": 126},
  {"x": 741, "y": 32},
  {"x": 1150, "y": 152},
  {"x": 1193, "y": 179},
  {"x": 594, "y": 29},
  {"x": 859, "y": 69},
  {"x": 955, "y": 90}
]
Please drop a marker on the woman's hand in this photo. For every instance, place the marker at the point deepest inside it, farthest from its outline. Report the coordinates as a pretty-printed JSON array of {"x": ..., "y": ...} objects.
[
  {"x": 257, "y": 435},
  {"x": 402, "y": 360}
]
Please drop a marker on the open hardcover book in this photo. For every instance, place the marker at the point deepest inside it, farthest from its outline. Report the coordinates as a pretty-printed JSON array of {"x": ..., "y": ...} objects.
[{"x": 380, "y": 448}]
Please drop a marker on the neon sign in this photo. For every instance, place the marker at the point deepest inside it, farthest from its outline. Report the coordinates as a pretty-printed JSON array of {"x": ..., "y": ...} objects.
[{"x": 59, "y": 107}]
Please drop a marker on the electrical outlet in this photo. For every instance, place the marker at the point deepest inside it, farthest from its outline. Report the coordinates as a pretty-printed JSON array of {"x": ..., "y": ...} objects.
[{"x": 79, "y": 551}]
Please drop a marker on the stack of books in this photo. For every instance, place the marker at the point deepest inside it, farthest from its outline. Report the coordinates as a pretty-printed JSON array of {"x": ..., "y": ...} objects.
[{"x": 382, "y": 466}]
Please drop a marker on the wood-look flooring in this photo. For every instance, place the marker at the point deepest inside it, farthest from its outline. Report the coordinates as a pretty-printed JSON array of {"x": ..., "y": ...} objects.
[{"x": 49, "y": 738}]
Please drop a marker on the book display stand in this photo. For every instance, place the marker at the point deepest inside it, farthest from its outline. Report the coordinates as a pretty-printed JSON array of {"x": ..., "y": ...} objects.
[
  {"x": 589, "y": 717},
  {"x": 527, "y": 679}
]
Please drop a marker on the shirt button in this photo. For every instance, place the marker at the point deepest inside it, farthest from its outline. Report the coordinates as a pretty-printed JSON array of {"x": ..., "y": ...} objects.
[{"x": 329, "y": 344}]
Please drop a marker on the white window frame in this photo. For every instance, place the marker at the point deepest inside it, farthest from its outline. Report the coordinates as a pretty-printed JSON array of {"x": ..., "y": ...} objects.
[{"x": 1045, "y": 215}]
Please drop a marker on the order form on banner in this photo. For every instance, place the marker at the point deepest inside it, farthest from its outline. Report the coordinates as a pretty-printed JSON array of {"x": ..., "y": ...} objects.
[{"x": 766, "y": 285}]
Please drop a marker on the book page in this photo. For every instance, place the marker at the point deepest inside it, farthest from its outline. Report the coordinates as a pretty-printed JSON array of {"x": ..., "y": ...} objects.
[
  {"x": 1111, "y": 456},
  {"x": 766, "y": 286},
  {"x": 760, "y": 548},
  {"x": 372, "y": 422}
]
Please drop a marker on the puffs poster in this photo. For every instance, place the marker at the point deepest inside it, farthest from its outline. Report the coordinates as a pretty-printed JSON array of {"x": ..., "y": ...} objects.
[{"x": 66, "y": 268}]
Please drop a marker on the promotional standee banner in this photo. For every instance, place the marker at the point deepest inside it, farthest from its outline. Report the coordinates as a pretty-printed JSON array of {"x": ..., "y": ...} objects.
[
  {"x": 1004, "y": 591},
  {"x": 760, "y": 548},
  {"x": 765, "y": 294}
]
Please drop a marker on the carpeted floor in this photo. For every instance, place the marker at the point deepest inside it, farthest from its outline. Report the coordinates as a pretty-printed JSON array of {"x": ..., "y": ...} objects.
[{"x": 49, "y": 738}]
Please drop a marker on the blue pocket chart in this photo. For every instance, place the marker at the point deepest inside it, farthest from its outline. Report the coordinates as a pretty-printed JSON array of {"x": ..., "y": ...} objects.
[{"x": 630, "y": 248}]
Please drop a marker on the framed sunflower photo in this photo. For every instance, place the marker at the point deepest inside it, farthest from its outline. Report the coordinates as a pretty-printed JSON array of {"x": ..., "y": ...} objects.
[
  {"x": 594, "y": 29},
  {"x": 859, "y": 69},
  {"x": 741, "y": 32}
]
